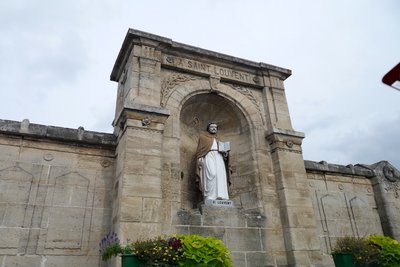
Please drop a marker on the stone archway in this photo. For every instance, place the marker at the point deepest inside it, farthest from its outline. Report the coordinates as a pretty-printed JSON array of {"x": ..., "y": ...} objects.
[{"x": 195, "y": 114}]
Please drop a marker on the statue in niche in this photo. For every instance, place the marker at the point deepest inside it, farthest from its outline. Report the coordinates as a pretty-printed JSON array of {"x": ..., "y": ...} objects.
[{"x": 213, "y": 175}]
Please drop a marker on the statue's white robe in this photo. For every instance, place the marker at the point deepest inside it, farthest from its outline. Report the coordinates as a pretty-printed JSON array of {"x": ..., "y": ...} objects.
[{"x": 214, "y": 174}]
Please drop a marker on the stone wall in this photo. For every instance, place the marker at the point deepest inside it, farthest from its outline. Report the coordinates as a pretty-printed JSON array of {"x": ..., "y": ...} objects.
[
  {"x": 352, "y": 200},
  {"x": 55, "y": 194},
  {"x": 57, "y": 187}
]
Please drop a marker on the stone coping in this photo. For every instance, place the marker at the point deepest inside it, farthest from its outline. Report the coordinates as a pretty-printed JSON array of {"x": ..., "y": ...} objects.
[
  {"x": 325, "y": 167},
  {"x": 286, "y": 132},
  {"x": 134, "y": 36},
  {"x": 80, "y": 136}
]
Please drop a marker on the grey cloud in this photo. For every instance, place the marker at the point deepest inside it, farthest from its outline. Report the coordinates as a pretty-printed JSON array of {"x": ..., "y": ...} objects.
[
  {"x": 41, "y": 44},
  {"x": 357, "y": 143},
  {"x": 380, "y": 142}
]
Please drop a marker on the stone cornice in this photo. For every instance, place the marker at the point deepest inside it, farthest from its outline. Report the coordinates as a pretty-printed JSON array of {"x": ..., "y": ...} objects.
[
  {"x": 142, "y": 117},
  {"x": 145, "y": 110},
  {"x": 289, "y": 133},
  {"x": 37, "y": 131},
  {"x": 284, "y": 140},
  {"x": 168, "y": 45},
  {"x": 324, "y": 167}
]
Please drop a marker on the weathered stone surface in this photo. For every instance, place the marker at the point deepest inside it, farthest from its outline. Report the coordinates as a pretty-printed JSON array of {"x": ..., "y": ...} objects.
[
  {"x": 185, "y": 217},
  {"x": 255, "y": 220},
  {"x": 131, "y": 209},
  {"x": 67, "y": 261},
  {"x": 257, "y": 259},
  {"x": 222, "y": 216},
  {"x": 24, "y": 261},
  {"x": 244, "y": 239},
  {"x": 218, "y": 232},
  {"x": 142, "y": 185},
  {"x": 152, "y": 210},
  {"x": 238, "y": 258},
  {"x": 9, "y": 237}
]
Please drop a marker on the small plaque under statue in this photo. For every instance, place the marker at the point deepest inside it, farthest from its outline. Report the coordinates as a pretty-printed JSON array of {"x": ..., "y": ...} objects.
[{"x": 219, "y": 202}]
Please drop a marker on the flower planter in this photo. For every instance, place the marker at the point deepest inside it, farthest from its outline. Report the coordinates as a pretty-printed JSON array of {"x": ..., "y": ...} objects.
[
  {"x": 130, "y": 261},
  {"x": 343, "y": 259}
]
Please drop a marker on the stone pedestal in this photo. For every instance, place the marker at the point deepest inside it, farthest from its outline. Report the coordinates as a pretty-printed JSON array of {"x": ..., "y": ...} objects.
[{"x": 243, "y": 233}]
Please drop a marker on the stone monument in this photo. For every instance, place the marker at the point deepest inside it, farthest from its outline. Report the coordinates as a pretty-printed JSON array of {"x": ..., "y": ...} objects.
[{"x": 167, "y": 93}]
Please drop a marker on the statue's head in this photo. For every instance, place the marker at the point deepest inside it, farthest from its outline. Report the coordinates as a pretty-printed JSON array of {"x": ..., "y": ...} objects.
[{"x": 212, "y": 128}]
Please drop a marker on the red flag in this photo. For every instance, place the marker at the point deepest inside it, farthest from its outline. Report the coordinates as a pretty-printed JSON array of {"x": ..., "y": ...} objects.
[{"x": 392, "y": 77}]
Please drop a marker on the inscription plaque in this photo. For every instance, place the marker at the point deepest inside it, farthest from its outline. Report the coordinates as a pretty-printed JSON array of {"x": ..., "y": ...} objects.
[
  {"x": 214, "y": 70},
  {"x": 219, "y": 202}
]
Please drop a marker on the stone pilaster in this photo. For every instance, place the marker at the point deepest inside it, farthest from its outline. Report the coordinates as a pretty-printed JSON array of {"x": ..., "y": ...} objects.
[
  {"x": 138, "y": 199},
  {"x": 275, "y": 101},
  {"x": 139, "y": 76},
  {"x": 139, "y": 125},
  {"x": 298, "y": 219}
]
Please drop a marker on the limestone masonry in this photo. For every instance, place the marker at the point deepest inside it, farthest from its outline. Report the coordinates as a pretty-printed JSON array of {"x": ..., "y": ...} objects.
[{"x": 62, "y": 189}]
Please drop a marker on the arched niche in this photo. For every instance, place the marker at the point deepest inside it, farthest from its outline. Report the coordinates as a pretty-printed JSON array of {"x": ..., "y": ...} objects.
[{"x": 195, "y": 114}]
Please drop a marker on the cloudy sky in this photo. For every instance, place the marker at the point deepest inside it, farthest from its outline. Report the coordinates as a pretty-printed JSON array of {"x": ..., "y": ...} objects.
[{"x": 56, "y": 58}]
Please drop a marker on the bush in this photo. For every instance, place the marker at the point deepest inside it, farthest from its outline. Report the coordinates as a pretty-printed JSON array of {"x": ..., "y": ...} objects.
[
  {"x": 184, "y": 250},
  {"x": 346, "y": 244},
  {"x": 363, "y": 252},
  {"x": 389, "y": 250},
  {"x": 201, "y": 251},
  {"x": 159, "y": 251}
]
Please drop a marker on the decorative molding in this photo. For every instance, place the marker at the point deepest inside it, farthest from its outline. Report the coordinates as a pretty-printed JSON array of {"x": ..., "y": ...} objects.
[
  {"x": 150, "y": 53},
  {"x": 105, "y": 163},
  {"x": 145, "y": 129},
  {"x": 391, "y": 179},
  {"x": 392, "y": 187},
  {"x": 387, "y": 175},
  {"x": 48, "y": 157},
  {"x": 170, "y": 82},
  {"x": 146, "y": 121},
  {"x": 249, "y": 94},
  {"x": 284, "y": 140},
  {"x": 214, "y": 82},
  {"x": 289, "y": 143},
  {"x": 286, "y": 150},
  {"x": 391, "y": 174}
]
